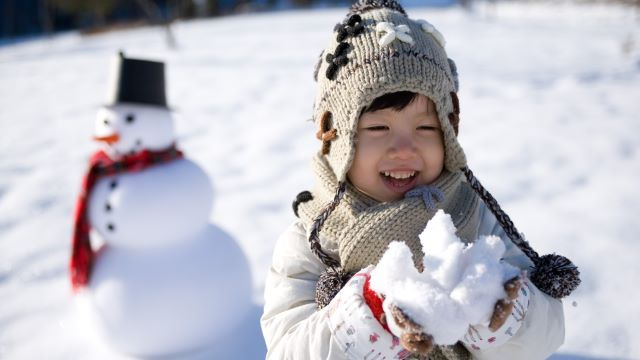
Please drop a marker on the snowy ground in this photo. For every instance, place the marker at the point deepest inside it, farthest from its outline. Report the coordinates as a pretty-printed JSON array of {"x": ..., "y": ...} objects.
[{"x": 549, "y": 98}]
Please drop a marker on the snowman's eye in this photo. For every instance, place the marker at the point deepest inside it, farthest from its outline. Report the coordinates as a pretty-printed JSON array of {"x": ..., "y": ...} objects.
[
  {"x": 106, "y": 121},
  {"x": 130, "y": 118}
]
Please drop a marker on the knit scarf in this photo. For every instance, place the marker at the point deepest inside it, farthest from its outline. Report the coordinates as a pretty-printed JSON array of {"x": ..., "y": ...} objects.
[
  {"x": 360, "y": 228},
  {"x": 101, "y": 166}
]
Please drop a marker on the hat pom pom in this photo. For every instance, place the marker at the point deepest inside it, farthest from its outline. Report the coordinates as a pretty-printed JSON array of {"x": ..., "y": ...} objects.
[
  {"x": 362, "y": 6},
  {"x": 331, "y": 281},
  {"x": 555, "y": 275}
]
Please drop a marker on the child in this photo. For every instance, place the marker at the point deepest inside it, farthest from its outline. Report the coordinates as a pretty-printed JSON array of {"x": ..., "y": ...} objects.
[{"x": 387, "y": 113}]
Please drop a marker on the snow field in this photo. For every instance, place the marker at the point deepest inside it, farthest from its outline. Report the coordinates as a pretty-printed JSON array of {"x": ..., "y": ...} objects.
[{"x": 549, "y": 125}]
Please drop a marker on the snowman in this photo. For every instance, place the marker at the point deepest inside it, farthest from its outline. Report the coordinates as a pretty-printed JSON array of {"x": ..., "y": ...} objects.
[{"x": 155, "y": 275}]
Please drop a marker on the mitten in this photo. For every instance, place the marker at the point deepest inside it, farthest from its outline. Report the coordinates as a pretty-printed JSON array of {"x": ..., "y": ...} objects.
[
  {"x": 412, "y": 335},
  {"x": 354, "y": 327},
  {"x": 507, "y": 318},
  {"x": 504, "y": 307}
]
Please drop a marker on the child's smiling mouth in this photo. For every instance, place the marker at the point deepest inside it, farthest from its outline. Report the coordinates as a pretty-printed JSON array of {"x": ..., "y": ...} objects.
[{"x": 399, "y": 181}]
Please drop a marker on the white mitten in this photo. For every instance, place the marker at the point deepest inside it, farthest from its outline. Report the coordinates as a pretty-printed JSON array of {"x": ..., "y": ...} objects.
[
  {"x": 480, "y": 337},
  {"x": 355, "y": 329}
]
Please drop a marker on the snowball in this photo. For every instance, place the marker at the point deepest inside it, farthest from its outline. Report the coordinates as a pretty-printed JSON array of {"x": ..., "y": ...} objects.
[
  {"x": 394, "y": 258},
  {"x": 459, "y": 286}
]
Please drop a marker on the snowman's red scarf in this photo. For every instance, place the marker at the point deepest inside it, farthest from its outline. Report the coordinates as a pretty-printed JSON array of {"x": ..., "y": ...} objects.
[{"x": 101, "y": 166}]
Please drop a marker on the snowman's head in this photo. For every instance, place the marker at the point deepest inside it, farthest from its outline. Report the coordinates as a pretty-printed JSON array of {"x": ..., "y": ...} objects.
[{"x": 129, "y": 128}]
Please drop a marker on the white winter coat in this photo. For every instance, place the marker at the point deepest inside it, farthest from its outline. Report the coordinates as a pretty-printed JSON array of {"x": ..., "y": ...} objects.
[{"x": 294, "y": 328}]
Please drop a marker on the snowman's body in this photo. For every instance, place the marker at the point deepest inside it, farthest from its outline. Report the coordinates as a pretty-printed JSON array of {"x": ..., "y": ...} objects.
[
  {"x": 161, "y": 205},
  {"x": 170, "y": 300},
  {"x": 165, "y": 280}
]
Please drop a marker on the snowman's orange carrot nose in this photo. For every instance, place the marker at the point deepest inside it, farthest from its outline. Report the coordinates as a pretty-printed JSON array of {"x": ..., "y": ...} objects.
[{"x": 109, "y": 139}]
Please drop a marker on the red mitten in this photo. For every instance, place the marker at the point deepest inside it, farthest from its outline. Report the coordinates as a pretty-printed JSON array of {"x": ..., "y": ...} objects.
[
  {"x": 412, "y": 337},
  {"x": 354, "y": 327}
]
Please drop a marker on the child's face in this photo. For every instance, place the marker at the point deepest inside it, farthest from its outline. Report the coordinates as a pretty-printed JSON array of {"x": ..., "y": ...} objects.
[{"x": 397, "y": 150}]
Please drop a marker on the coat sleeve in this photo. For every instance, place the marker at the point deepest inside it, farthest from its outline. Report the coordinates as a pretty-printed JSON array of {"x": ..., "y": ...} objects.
[
  {"x": 542, "y": 332},
  {"x": 292, "y": 325}
]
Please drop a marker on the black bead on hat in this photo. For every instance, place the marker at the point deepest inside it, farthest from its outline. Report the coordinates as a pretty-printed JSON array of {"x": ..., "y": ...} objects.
[{"x": 137, "y": 81}]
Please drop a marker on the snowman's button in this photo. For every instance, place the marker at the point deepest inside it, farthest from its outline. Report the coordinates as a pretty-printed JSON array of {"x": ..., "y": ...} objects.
[
  {"x": 111, "y": 227},
  {"x": 113, "y": 184},
  {"x": 107, "y": 207}
]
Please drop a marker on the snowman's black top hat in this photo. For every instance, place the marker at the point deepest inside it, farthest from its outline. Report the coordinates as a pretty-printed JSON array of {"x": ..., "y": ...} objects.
[{"x": 137, "y": 81}]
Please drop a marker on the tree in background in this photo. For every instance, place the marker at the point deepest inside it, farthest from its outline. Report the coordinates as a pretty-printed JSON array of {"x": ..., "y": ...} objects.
[
  {"x": 93, "y": 11},
  {"x": 302, "y": 2},
  {"x": 197, "y": 8},
  {"x": 20, "y": 17},
  {"x": 154, "y": 14}
]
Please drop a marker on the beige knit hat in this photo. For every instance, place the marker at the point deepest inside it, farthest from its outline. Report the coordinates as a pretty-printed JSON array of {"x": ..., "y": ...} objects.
[{"x": 377, "y": 50}]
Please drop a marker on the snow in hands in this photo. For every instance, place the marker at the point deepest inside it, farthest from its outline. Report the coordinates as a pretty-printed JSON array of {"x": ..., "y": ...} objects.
[{"x": 459, "y": 286}]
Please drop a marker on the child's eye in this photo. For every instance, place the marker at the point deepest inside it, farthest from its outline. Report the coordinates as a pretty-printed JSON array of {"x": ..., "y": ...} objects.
[
  {"x": 377, "y": 128},
  {"x": 427, "y": 128}
]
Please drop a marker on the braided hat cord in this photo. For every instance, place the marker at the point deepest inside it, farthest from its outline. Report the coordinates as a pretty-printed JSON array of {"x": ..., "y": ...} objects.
[
  {"x": 501, "y": 216},
  {"x": 314, "y": 240}
]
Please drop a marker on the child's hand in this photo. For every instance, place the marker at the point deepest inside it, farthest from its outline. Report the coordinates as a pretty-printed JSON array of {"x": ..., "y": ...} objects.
[
  {"x": 508, "y": 316},
  {"x": 413, "y": 337},
  {"x": 354, "y": 326},
  {"x": 503, "y": 307}
]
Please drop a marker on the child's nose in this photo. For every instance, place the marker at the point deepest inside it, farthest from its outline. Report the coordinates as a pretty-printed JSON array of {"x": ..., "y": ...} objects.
[{"x": 402, "y": 147}]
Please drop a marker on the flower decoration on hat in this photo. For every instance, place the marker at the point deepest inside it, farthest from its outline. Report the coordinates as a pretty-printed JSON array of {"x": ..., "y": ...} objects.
[
  {"x": 431, "y": 30},
  {"x": 389, "y": 32},
  {"x": 351, "y": 28},
  {"x": 337, "y": 60}
]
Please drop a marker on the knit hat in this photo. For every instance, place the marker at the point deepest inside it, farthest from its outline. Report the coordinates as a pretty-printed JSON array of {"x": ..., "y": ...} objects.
[{"x": 377, "y": 50}]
